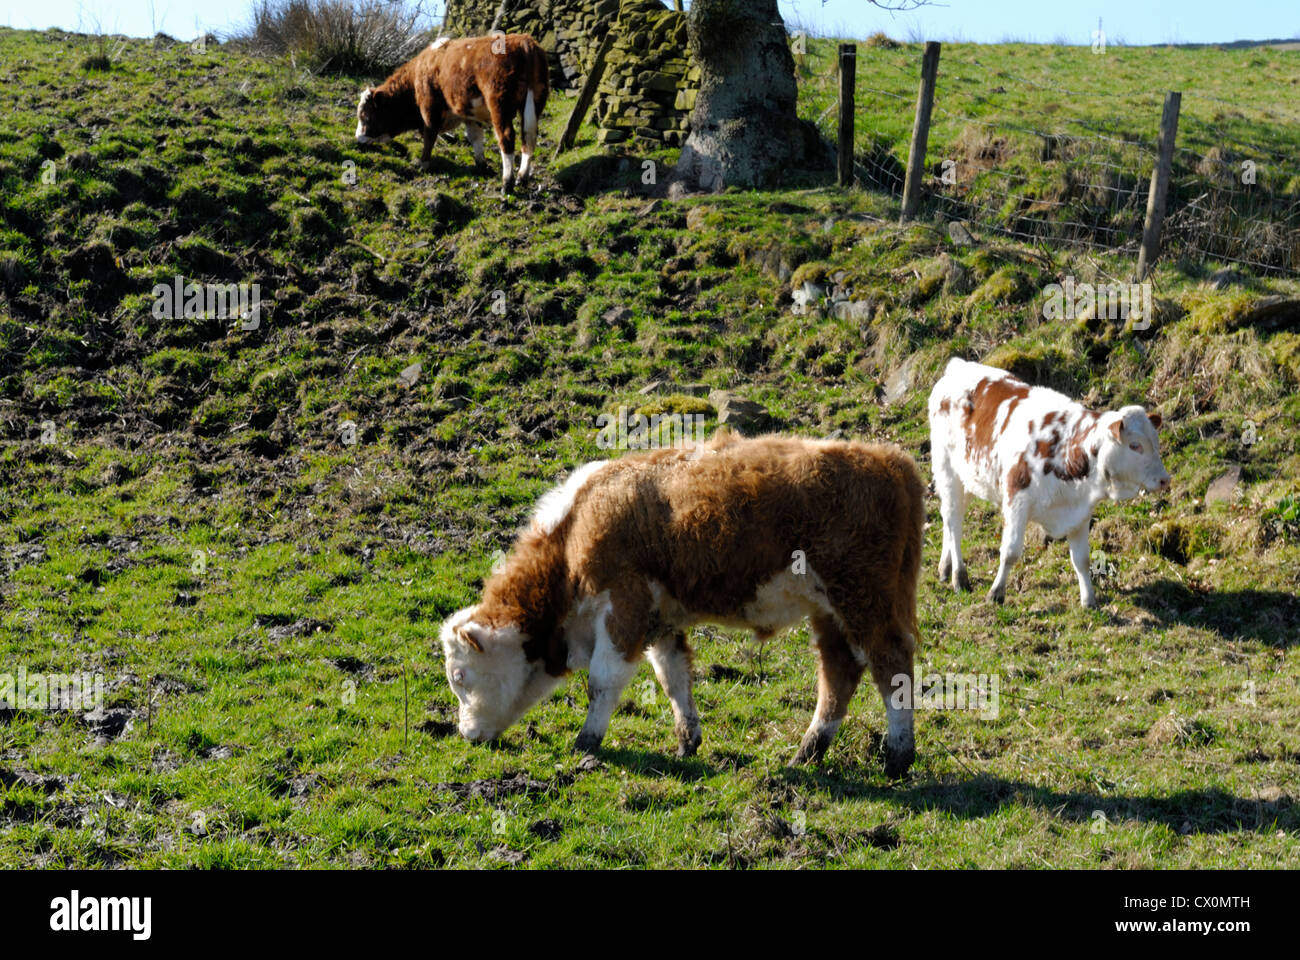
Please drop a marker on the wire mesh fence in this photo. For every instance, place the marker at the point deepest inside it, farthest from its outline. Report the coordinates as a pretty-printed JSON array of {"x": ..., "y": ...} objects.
[{"x": 1077, "y": 181}]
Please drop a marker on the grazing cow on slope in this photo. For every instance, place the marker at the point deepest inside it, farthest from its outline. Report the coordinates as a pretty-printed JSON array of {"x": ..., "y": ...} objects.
[
  {"x": 1039, "y": 454},
  {"x": 473, "y": 81},
  {"x": 626, "y": 555}
]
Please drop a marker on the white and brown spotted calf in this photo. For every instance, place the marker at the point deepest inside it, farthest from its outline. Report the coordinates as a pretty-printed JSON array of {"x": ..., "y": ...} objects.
[
  {"x": 1039, "y": 454},
  {"x": 474, "y": 80},
  {"x": 624, "y": 557}
]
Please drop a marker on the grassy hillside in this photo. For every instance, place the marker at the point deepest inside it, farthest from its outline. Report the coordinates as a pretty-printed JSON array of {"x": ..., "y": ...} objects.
[{"x": 180, "y": 510}]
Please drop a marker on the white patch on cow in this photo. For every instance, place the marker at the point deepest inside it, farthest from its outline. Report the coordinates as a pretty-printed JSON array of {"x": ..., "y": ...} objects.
[
  {"x": 898, "y": 730},
  {"x": 507, "y": 169},
  {"x": 780, "y": 602},
  {"x": 822, "y": 728},
  {"x": 673, "y": 669},
  {"x": 496, "y": 685},
  {"x": 580, "y": 629},
  {"x": 440, "y": 42},
  {"x": 785, "y": 600},
  {"x": 607, "y": 675},
  {"x": 555, "y": 504},
  {"x": 361, "y": 133}
]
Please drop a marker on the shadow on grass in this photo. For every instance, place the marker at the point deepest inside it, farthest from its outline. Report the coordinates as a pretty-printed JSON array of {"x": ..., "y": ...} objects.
[
  {"x": 1265, "y": 616},
  {"x": 1208, "y": 810},
  {"x": 650, "y": 763}
]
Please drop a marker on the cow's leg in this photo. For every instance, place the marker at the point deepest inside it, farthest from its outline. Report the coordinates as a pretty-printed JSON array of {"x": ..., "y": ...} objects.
[
  {"x": 891, "y": 669},
  {"x": 671, "y": 659},
  {"x": 839, "y": 669},
  {"x": 952, "y": 510},
  {"x": 430, "y": 135},
  {"x": 619, "y": 641},
  {"x": 474, "y": 132},
  {"x": 1015, "y": 518},
  {"x": 1078, "y": 539},
  {"x": 504, "y": 126},
  {"x": 529, "y": 125}
]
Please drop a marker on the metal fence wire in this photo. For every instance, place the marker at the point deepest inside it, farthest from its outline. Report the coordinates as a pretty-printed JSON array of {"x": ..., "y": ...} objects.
[{"x": 1074, "y": 182}]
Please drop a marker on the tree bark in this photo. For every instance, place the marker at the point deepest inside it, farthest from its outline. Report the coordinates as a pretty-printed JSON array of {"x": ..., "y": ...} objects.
[{"x": 744, "y": 129}]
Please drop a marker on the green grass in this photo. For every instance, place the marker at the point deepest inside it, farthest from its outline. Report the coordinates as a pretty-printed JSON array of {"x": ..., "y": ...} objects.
[{"x": 263, "y": 597}]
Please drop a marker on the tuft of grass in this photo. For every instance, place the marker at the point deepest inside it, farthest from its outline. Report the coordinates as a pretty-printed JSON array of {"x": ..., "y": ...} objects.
[{"x": 338, "y": 36}]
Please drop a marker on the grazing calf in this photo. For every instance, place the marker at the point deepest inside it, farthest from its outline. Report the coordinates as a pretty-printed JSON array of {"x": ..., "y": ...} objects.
[
  {"x": 1040, "y": 455},
  {"x": 626, "y": 555},
  {"x": 473, "y": 81}
]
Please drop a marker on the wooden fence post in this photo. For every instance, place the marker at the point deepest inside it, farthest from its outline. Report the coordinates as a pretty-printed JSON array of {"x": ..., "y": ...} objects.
[
  {"x": 848, "y": 71},
  {"x": 586, "y": 94},
  {"x": 920, "y": 131},
  {"x": 1159, "y": 185}
]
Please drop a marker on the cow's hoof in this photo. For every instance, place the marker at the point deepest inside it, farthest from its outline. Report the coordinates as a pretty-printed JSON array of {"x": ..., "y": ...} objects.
[
  {"x": 811, "y": 749},
  {"x": 945, "y": 570},
  {"x": 688, "y": 743},
  {"x": 998, "y": 595},
  {"x": 961, "y": 581},
  {"x": 587, "y": 743},
  {"x": 425, "y": 166},
  {"x": 1089, "y": 603},
  {"x": 898, "y": 762}
]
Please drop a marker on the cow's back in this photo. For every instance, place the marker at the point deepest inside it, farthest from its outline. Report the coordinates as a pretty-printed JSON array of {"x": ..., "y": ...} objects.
[
  {"x": 494, "y": 69},
  {"x": 738, "y": 512}
]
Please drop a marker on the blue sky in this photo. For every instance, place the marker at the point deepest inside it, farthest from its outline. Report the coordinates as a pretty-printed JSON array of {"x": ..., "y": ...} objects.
[{"x": 988, "y": 21}]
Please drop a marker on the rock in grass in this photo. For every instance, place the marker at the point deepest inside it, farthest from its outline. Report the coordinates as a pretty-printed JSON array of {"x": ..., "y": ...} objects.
[
  {"x": 1224, "y": 487},
  {"x": 959, "y": 234},
  {"x": 669, "y": 387},
  {"x": 743, "y": 416},
  {"x": 409, "y": 376}
]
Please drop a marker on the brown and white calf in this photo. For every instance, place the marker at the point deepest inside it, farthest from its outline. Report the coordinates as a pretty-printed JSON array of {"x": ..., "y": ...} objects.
[
  {"x": 625, "y": 556},
  {"x": 1039, "y": 454},
  {"x": 474, "y": 80}
]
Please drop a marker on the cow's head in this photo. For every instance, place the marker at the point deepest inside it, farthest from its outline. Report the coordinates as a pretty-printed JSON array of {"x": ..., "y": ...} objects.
[
  {"x": 373, "y": 120},
  {"x": 490, "y": 674},
  {"x": 1129, "y": 454}
]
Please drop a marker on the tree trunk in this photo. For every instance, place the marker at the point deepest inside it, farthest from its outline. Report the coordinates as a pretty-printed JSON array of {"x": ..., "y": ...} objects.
[{"x": 744, "y": 130}]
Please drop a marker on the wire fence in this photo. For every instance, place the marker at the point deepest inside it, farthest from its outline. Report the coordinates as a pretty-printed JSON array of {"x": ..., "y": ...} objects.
[{"x": 1052, "y": 178}]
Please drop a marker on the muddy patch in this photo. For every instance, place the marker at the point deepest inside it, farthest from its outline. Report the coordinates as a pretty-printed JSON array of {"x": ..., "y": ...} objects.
[
  {"x": 547, "y": 829},
  {"x": 42, "y": 783},
  {"x": 438, "y": 729},
  {"x": 496, "y": 788},
  {"x": 107, "y": 724},
  {"x": 281, "y": 627}
]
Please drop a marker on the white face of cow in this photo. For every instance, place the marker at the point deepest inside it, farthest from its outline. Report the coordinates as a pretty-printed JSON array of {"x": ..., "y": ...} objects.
[
  {"x": 1129, "y": 455},
  {"x": 490, "y": 675},
  {"x": 368, "y": 119}
]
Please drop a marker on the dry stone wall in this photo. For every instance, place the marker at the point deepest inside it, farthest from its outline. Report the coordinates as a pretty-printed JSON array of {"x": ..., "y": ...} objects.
[{"x": 649, "y": 85}]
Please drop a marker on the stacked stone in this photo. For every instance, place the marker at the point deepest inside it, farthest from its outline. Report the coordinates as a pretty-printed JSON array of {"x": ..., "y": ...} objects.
[
  {"x": 649, "y": 86},
  {"x": 580, "y": 26}
]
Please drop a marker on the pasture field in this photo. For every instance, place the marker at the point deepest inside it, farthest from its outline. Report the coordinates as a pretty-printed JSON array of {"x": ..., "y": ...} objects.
[{"x": 184, "y": 510}]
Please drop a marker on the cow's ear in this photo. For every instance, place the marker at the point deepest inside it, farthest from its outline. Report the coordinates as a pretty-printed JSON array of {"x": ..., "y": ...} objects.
[
  {"x": 473, "y": 634},
  {"x": 1155, "y": 419},
  {"x": 1117, "y": 428}
]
